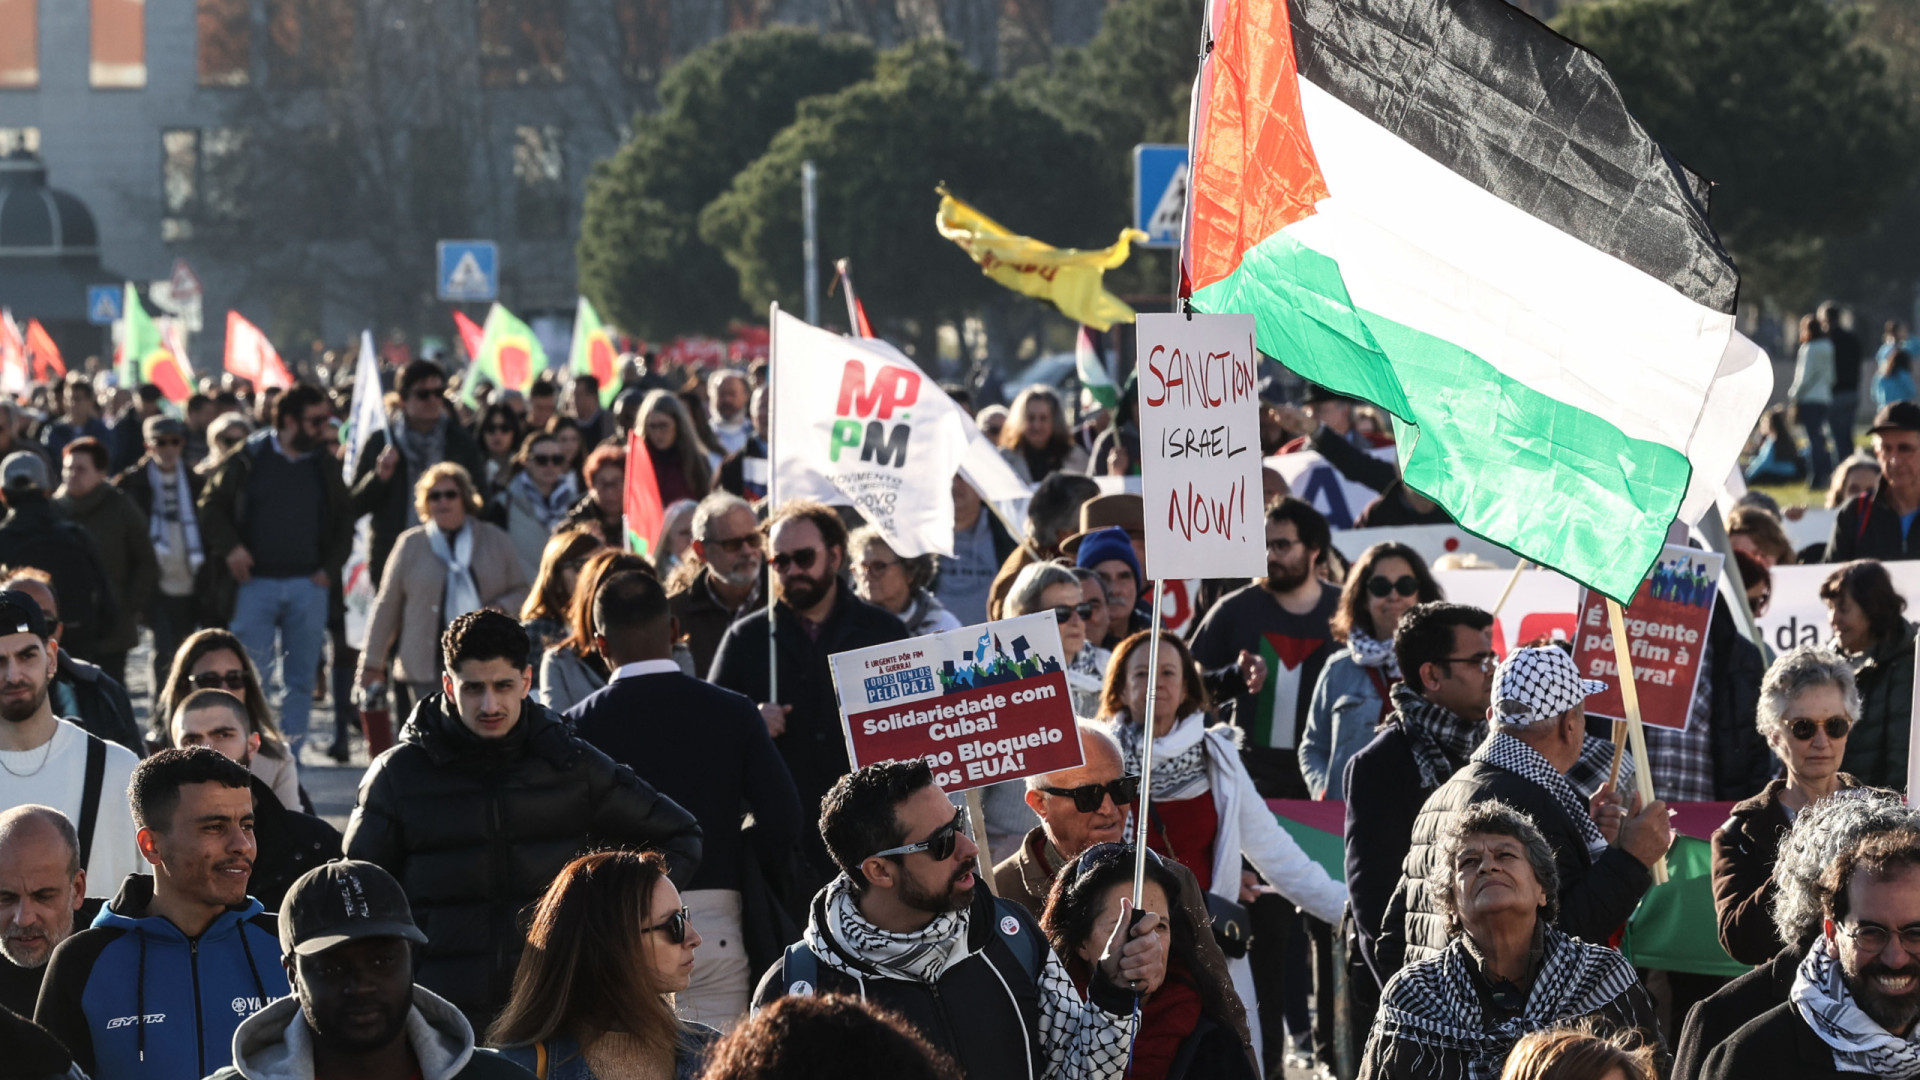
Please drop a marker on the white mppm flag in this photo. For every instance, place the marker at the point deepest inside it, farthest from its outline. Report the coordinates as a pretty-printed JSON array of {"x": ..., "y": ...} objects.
[
  {"x": 369, "y": 405},
  {"x": 856, "y": 423}
]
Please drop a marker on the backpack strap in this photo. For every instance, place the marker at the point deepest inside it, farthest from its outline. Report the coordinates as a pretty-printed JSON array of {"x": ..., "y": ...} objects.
[
  {"x": 800, "y": 970},
  {"x": 90, "y": 794},
  {"x": 1022, "y": 938}
]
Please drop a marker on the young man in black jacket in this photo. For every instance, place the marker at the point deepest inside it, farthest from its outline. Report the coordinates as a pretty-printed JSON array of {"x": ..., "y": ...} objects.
[
  {"x": 487, "y": 796},
  {"x": 422, "y": 436}
]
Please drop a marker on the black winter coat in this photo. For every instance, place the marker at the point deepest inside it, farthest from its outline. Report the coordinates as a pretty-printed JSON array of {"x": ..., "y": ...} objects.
[
  {"x": 390, "y": 501},
  {"x": 1742, "y": 761},
  {"x": 288, "y": 843},
  {"x": 35, "y": 534},
  {"x": 1595, "y": 896},
  {"x": 1870, "y": 529},
  {"x": 1775, "y": 1043},
  {"x": 1718, "y": 1015},
  {"x": 476, "y": 830},
  {"x": 100, "y": 704},
  {"x": 1877, "y": 748},
  {"x": 1384, "y": 797}
]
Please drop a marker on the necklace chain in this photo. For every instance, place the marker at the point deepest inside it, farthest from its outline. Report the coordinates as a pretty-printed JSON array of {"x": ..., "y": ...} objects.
[{"x": 45, "y": 756}]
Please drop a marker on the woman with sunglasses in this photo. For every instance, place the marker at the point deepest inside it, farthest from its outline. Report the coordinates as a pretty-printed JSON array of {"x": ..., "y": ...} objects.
[
  {"x": 1205, "y": 812},
  {"x": 1871, "y": 630},
  {"x": 545, "y": 613},
  {"x": 214, "y": 659},
  {"x": 439, "y": 571},
  {"x": 897, "y": 584},
  {"x": 499, "y": 434},
  {"x": 1052, "y": 587},
  {"x": 1354, "y": 693},
  {"x": 1808, "y": 705},
  {"x": 535, "y": 501},
  {"x": 609, "y": 946},
  {"x": 1188, "y": 1025}
]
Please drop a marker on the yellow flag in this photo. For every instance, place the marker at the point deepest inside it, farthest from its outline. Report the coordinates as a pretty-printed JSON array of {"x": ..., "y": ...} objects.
[{"x": 1068, "y": 277}]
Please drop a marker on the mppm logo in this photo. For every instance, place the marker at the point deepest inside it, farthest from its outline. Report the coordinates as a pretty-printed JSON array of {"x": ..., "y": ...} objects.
[{"x": 879, "y": 442}]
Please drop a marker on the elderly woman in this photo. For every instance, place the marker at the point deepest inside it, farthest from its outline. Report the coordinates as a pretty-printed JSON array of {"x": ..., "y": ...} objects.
[
  {"x": 439, "y": 571},
  {"x": 1191, "y": 1025},
  {"x": 1052, "y": 587},
  {"x": 1808, "y": 705},
  {"x": 1870, "y": 629},
  {"x": 1506, "y": 972},
  {"x": 1205, "y": 812},
  {"x": 1354, "y": 692},
  {"x": 897, "y": 583}
]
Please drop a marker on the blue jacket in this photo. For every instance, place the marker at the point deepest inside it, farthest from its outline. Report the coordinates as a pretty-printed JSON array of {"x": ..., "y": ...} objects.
[
  {"x": 133, "y": 997},
  {"x": 1342, "y": 718},
  {"x": 561, "y": 1058}
]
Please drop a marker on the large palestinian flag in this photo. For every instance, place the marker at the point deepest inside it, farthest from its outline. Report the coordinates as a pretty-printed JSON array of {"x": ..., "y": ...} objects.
[{"x": 1443, "y": 207}]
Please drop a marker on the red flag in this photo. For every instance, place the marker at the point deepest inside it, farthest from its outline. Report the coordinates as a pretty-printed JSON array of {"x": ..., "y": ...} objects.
[
  {"x": 252, "y": 357},
  {"x": 43, "y": 354},
  {"x": 470, "y": 336},
  {"x": 642, "y": 502}
]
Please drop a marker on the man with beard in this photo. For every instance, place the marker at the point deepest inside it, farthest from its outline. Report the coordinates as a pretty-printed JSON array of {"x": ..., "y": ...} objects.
[
  {"x": 816, "y": 616},
  {"x": 290, "y": 843},
  {"x": 80, "y": 691},
  {"x": 167, "y": 972},
  {"x": 50, "y": 761},
  {"x": 276, "y": 515},
  {"x": 348, "y": 940},
  {"x": 723, "y": 577},
  {"x": 1856, "y": 994},
  {"x": 905, "y": 927},
  {"x": 42, "y": 897},
  {"x": 423, "y": 434}
]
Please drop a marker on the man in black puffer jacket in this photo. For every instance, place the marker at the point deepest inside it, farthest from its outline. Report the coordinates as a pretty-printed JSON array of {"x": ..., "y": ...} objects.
[{"x": 487, "y": 796}]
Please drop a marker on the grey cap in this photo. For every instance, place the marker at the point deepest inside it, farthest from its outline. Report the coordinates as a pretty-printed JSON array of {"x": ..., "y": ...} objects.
[
  {"x": 156, "y": 426},
  {"x": 23, "y": 470}
]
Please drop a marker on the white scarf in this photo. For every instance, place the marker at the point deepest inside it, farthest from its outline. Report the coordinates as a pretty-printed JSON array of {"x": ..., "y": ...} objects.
[
  {"x": 1821, "y": 997},
  {"x": 1179, "y": 756},
  {"x": 189, "y": 525},
  {"x": 550, "y": 508},
  {"x": 462, "y": 594},
  {"x": 921, "y": 956}
]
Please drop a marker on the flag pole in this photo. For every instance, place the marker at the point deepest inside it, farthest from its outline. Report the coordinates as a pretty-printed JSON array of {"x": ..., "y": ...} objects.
[
  {"x": 1146, "y": 753},
  {"x": 1636, "y": 738},
  {"x": 773, "y": 485},
  {"x": 1512, "y": 580}
]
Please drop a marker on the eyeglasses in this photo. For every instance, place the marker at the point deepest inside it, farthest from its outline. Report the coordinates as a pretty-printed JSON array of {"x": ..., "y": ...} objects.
[
  {"x": 939, "y": 844},
  {"x": 732, "y": 544},
  {"x": 1874, "y": 938},
  {"x": 1486, "y": 661},
  {"x": 216, "y": 680},
  {"x": 1064, "y": 613},
  {"x": 443, "y": 495},
  {"x": 546, "y": 461},
  {"x": 426, "y": 393},
  {"x": 1088, "y": 798},
  {"x": 674, "y": 926},
  {"x": 1280, "y": 545},
  {"x": 1803, "y": 728},
  {"x": 1380, "y": 585},
  {"x": 802, "y": 559}
]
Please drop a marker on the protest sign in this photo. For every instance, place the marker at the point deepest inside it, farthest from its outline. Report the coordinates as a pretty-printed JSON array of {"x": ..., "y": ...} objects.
[
  {"x": 1797, "y": 616},
  {"x": 1666, "y": 629},
  {"x": 1199, "y": 446},
  {"x": 982, "y": 704},
  {"x": 1314, "y": 479},
  {"x": 1541, "y": 605}
]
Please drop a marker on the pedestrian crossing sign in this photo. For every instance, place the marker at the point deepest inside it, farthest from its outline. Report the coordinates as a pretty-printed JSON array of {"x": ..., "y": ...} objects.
[
  {"x": 469, "y": 270},
  {"x": 1159, "y": 193}
]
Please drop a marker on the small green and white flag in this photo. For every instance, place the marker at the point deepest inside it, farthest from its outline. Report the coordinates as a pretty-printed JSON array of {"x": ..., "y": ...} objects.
[{"x": 1095, "y": 379}]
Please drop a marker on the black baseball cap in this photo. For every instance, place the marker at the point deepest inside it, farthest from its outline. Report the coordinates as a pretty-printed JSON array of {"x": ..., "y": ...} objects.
[
  {"x": 341, "y": 901},
  {"x": 1899, "y": 416},
  {"x": 19, "y": 614}
]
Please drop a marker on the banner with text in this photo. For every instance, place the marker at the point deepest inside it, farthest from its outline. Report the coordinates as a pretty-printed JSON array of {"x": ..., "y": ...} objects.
[
  {"x": 1797, "y": 616},
  {"x": 1199, "y": 447},
  {"x": 982, "y": 704},
  {"x": 1314, "y": 479},
  {"x": 1667, "y": 627}
]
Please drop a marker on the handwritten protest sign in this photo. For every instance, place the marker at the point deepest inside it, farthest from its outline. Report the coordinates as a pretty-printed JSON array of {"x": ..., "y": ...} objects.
[
  {"x": 1667, "y": 629},
  {"x": 982, "y": 704},
  {"x": 1200, "y": 447}
]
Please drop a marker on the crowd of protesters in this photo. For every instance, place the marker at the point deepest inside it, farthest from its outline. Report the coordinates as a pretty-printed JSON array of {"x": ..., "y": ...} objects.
[{"x": 616, "y": 833}]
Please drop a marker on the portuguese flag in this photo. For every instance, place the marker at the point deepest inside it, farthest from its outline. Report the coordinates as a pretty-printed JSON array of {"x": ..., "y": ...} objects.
[
  {"x": 593, "y": 352},
  {"x": 1444, "y": 208},
  {"x": 144, "y": 356},
  {"x": 510, "y": 356}
]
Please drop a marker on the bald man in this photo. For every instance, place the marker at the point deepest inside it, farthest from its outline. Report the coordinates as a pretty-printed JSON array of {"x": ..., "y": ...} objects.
[{"x": 42, "y": 898}]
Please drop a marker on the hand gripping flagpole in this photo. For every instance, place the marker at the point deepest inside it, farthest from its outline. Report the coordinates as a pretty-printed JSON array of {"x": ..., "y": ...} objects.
[
  {"x": 1146, "y": 753},
  {"x": 773, "y": 484}
]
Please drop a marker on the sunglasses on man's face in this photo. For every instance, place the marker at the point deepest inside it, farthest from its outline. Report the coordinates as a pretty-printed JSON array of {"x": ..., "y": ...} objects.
[
  {"x": 674, "y": 926},
  {"x": 802, "y": 559},
  {"x": 169, "y": 442},
  {"x": 547, "y": 461},
  {"x": 1089, "y": 798},
  {"x": 1380, "y": 586},
  {"x": 939, "y": 844},
  {"x": 733, "y": 544},
  {"x": 1064, "y": 613},
  {"x": 1803, "y": 728},
  {"x": 427, "y": 393},
  {"x": 443, "y": 495},
  {"x": 221, "y": 680}
]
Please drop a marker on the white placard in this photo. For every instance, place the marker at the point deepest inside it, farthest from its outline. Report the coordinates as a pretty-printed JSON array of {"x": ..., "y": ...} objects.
[
  {"x": 1797, "y": 616},
  {"x": 1200, "y": 446},
  {"x": 1314, "y": 479}
]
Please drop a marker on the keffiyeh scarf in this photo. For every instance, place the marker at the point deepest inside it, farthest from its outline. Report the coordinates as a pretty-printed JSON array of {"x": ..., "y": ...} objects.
[
  {"x": 550, "y": 508},
  {"x": 462, "y": 595},
  {"x": 1442, "y": 742},
  {"x": 419, "y": 450},
  {"x": 1369, "y": 653},
  {"x": 1434, "y": 1003},
  {"x": 1821, "y": 997},
  {"x": 917, "y": 957},
  {"x": 1503, "y": 751},
  {"x": 169, "y": 509},
  {"x": 1179, "y": 757}
]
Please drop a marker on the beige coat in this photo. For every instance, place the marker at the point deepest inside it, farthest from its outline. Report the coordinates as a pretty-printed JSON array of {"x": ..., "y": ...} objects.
[{"x": 411, "y": 590}]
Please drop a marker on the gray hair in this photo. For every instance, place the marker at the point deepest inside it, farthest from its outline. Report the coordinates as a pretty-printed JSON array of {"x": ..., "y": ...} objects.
[
  {"x": 919, "y": 568},
  {"x": 1034, "y": 579},
  {"x": 1819, "y": 834},
  {"x": 1489, "y": 818},
  {"x": 15, "y": 820},
  {"x": 719, "y": 379},
  {"x": 1795, "y": 673},
  {"x": 1090, "y": 731},
  {"x": 1054, "y": 510},
  {"x": 712, "y": 508}
]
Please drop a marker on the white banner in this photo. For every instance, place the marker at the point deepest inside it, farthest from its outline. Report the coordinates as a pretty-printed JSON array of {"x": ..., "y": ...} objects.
[
  {"x": 1541, "y": 605},
  {"x": 1199, "y": 446},
  {"x": 856, "y": 423},
  {"x": 1310, "y": 477},
  {"x": 369, "y": 412},
  {"x": 1431, "y": 541},
  {"x": 1797, "y": 615}
]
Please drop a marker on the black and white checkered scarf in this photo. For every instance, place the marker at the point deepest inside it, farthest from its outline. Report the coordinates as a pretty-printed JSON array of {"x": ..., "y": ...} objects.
[
  {"x": 1372, "y": 653},
  {"x": 1433, "y": 1003},
  {"x": 1503, "y": 751},
  {"x": 1821, "y": 997},
  {"x": 1442, "y": 741},
  {"x": 1179, "y": 756},
  {"x": 917, "y": 957}
]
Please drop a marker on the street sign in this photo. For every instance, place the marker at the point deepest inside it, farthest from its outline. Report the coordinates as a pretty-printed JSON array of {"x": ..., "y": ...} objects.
[
  {"x": 469, "y": 270},
  {"x": 1159, "y": 193},
  {"x": 104, "y": 304},
  {"x": 184, "y": 284}
]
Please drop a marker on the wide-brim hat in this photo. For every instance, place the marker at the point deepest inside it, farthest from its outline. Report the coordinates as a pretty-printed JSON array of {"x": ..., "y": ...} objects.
[{"x": 1127, "y": 511}]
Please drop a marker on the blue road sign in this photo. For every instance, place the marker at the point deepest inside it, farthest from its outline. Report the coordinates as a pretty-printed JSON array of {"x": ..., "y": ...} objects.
[
  {"x": 1159, "y": 193},
  {"x": 104, "y": 304},
  {"x": 469, "y": 270}
]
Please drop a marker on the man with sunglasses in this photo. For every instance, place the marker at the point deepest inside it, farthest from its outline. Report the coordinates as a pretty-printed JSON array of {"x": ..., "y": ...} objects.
[
  {"x": 816, "y": 615},
  {"x": 731, "y": 557},
  {"x": 906, "y": 927},
  {"x": 165, "y": 490},
  {"x": 421, "y": 436}
]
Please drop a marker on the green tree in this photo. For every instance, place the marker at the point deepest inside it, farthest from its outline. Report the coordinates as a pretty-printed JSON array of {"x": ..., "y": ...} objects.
[
  {"x": 642, "y": 260},
  {"x": 881, "y": 146},
  {"x": 1800, "y": 125}
]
